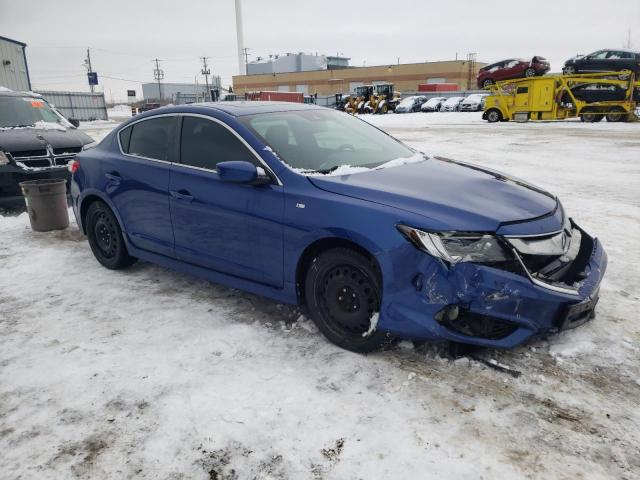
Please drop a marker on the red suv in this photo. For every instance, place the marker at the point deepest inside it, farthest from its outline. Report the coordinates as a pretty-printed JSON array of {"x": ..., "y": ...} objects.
[{"x": 512, "y": 68}]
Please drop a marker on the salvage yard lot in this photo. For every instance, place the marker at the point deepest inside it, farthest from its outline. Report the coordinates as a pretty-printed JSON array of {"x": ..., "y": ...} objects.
[{"x": 147, "y": 373}]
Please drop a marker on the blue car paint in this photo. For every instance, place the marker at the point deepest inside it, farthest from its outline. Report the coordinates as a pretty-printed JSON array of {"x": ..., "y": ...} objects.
[{"x": 267, "y": 229}]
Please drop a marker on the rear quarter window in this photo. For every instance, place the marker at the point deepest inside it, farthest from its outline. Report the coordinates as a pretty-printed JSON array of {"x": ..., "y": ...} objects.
[{"x": 125, "y": 136}]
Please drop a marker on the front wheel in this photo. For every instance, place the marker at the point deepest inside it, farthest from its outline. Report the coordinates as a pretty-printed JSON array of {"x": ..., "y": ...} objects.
[
  {"x": 343, "y": 295},
  {"x": 617, "y": 114},
  {"x": 530, "y": 72},
  {"x": 569, "y": 70},
  {"x": 493, "y": 115},
  {"x": 105, "y": 237},
  {"x": 487, "y": 83}
]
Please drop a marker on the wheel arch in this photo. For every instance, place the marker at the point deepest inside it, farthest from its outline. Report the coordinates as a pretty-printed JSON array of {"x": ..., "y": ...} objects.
[
  {"x": 321, "y": 245},
  {"x": 85, "y": 203}
]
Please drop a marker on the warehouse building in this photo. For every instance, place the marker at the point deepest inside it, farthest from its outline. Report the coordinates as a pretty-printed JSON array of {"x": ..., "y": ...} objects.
[
  {"x": 342, "y": 79},
  {"x": 295, "y": 62},
  {"x": 14, "y": 73}
]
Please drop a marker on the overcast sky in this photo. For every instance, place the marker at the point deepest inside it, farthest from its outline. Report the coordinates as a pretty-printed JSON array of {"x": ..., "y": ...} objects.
[{"x": 125, "y": 36}]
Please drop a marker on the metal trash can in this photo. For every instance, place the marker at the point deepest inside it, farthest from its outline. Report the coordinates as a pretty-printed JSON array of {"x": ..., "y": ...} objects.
[{"x": 46, "y": 203}]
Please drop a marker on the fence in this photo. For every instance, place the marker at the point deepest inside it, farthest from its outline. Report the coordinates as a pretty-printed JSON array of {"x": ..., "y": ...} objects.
[{"x": 85, "y": 106}]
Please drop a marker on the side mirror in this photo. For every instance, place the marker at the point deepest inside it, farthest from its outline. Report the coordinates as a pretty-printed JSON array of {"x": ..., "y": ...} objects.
[
  {"x": 242, "y": 172},
  {"x": 74, "y": 121}
]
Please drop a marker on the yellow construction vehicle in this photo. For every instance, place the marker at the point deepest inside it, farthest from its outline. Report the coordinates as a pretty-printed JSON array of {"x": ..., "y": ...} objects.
[
  {"x": 355, "y": 103},
  {"x": 591, "y": 97},
  {"x": 383, "y": 99}
]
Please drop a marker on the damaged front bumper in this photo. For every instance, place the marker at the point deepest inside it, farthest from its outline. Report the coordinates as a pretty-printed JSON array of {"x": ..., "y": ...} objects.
[{"x": 491, "y": 306}]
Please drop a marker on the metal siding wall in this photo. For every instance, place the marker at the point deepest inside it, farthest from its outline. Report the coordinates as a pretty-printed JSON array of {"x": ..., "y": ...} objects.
[
  {"x": 14, "y": 75},
  {"x": 83, "y": 106}
]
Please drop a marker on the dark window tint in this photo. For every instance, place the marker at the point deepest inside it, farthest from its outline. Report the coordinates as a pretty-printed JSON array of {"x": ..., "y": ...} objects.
[
  {"x": 152, "y": 138},
  {"x": 125, "y": 136},
  {"x": 523, "y": 90},
  {"x": 206, "y": 143}
]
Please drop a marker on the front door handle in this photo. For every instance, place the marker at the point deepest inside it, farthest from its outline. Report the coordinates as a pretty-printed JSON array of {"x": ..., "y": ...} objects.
[{"x": 182, "y": 195}]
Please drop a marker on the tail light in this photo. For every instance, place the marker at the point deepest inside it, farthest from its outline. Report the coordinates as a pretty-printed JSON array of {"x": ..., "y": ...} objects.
[{"x": 73, "y": 166}]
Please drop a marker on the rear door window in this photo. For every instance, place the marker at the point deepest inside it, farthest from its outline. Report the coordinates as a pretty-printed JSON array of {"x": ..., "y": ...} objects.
[
  {"x": 206, "y": 143},
  {"x": 153, "y": 138}
]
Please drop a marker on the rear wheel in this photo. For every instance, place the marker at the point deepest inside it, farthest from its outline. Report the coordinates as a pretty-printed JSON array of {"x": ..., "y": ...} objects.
[
  {"x": 494, "y": 115},
  {"x": 343, "y": 294},
  {"x": 105, "y": 237},
  {"x": 530, "y": 72},
  {"x": 590, "y": 116},
  {"x": 569, "y": 70},
  {"x": 618, "y": 114},
  {"x": 488, "y": 82}
]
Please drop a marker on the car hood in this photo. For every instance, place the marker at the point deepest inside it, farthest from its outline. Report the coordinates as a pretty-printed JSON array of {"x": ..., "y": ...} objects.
[
  {"x": 21, "y": 139},
  {"x": 451, "y": 194}
]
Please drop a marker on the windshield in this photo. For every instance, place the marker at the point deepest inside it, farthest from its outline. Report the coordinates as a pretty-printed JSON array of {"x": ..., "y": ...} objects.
[
  {"x": 324, "y": 140},
  {"x": 476, "y": 97},
  {"x": 29, "y": 112},
  {"x": 453, "y": 100},
  {"x": 433, "y": 101}
]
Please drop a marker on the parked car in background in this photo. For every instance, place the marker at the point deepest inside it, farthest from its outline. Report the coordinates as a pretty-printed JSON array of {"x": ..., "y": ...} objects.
[
  {"x": 36, "y": 142},
  {"x": 512, "y": 68},
  {"x": 309, "y": 205},
  {"x": 410, "y": 104},
  {"x": 433, "y": 104},
  {"x": 609, "y": 60},
  {"x": 145, "y": 107},
  {"x": 473, "y": 103},
  {"x": 451, "y": 104}
]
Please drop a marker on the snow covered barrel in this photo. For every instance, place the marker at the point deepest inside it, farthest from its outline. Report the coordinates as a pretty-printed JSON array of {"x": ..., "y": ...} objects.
[{"x": 46, "y": 203}]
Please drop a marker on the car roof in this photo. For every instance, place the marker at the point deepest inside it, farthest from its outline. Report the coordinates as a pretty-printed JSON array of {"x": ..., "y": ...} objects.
[
  {"x": 12, "y": 93},
  {"x": 240, "y": 108}
]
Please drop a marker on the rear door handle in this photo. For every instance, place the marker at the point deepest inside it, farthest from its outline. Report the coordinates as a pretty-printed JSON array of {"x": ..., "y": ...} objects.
[
  {"x": 182, "y": 195},
  {"x": 113, "y": 177}
]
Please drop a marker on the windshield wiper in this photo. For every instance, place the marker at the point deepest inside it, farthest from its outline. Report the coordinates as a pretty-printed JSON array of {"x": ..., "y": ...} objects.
[{"x": 327, "y": 170}]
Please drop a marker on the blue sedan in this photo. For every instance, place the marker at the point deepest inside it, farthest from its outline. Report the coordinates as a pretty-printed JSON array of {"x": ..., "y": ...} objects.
[{"x": 312, "y": 206}]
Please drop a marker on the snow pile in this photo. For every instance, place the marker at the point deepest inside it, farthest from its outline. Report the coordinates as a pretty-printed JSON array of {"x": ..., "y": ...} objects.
[{"x": 349, "y": 169}]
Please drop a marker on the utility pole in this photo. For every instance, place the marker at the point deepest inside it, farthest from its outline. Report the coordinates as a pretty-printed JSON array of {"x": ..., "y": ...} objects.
[
  {"x": 87, "y": 63},
  {"x": 471, "y": 59},
  {"x": 158, "y": 75},
  {"x": 206, "y": 72},
  {"x": 245, "y": 53}
]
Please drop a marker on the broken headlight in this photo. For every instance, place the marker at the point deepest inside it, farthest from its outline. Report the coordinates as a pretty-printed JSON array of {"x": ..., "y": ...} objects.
[{"x": 454, "y": 247}]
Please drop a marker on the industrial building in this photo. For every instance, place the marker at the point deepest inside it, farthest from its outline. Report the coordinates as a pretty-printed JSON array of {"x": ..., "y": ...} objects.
[
  {"x": 14, "y": 73},
  {"x": 178, "y": 91},
  {"x": 295, "y": 62},
  {"x": 341, "y": 78}
]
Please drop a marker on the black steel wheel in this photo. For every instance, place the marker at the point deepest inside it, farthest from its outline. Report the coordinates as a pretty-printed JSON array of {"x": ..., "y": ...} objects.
[
  {"x": 343, "y": 295},
  {"x": 105, "y": 237}
]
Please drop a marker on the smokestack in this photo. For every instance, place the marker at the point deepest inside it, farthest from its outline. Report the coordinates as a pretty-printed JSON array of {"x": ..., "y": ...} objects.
[{"x": 240, "y": 37}]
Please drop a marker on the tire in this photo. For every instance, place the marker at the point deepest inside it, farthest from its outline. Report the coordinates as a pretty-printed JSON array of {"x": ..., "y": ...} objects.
[
  {"x": 591, "y": 117},
  {"x": 530, "y": 72},
  {"x": 618, "y": 115},
  {"x": 569, "y": 70},
  {"x": 343, "y": 292},
  {"x": 623, "y": 77},
  {"x": 487, "y": 82},
  {"x": 494, "y": 115},
  {"x": 105, "y": 237}
]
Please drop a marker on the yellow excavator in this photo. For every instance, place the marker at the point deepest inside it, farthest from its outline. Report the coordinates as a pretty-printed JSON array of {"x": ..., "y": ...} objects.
[{"x": 356, "y": 102}]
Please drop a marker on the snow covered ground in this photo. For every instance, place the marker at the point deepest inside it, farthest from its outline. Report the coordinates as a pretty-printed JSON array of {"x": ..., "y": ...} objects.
[{"x": 148, "y": 373}]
